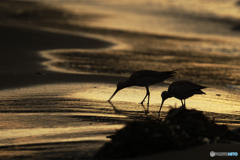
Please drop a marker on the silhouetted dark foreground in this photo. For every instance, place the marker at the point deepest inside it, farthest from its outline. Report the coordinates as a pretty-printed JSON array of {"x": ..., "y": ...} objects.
[{"x": 181, "y": 129}]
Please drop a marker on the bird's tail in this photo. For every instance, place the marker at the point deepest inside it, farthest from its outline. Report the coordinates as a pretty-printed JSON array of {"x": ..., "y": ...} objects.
[
  {"x": 169, "y": 74},
  {"x": 199, "y": 92}
]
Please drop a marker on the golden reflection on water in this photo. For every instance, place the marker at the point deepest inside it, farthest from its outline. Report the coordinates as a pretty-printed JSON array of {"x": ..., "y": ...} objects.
[
  {"x": 215, "y": 100},
  {"x": 51, "y": 135}
]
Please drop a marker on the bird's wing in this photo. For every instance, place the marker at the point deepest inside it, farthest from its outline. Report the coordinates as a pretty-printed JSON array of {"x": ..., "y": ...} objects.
[
  {"x": 140, "y": 78},
  {"x": 149, "y": 75},
  {"x": 180, "y": 87}
]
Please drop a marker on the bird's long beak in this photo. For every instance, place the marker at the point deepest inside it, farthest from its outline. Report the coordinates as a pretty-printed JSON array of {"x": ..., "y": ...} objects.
[{"x": 113, "y": 95}]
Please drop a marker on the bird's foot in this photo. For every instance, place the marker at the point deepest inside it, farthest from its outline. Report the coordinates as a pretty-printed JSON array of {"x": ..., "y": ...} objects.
[
  {"x": 146, "y": 112},
  {"x": 183, "y": 106}
]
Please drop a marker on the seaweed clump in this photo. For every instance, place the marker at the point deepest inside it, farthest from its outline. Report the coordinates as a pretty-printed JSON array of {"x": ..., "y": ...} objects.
[{"x": 181, "y": 129}]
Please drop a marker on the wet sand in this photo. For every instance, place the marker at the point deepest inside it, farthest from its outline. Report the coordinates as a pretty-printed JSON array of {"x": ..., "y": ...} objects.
[{"x": 44, "y": 112}]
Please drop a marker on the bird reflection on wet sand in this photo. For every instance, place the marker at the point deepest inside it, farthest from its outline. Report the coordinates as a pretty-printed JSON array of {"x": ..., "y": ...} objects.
[{"x": 118, "y": 111}]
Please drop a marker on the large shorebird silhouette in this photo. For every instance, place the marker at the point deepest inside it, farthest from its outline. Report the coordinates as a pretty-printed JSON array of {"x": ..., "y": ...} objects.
[
  {"x": 143, "y": 78},
  {"x": 181, "y": 90}
]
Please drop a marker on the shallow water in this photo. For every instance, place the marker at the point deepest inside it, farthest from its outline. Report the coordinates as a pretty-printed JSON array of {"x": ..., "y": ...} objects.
[
  {"x": 38, "y": 135},
  {"x": 45, "y": 121},
  {"x": 194, "y": 18},
  {"x": 215, "y": 100}
]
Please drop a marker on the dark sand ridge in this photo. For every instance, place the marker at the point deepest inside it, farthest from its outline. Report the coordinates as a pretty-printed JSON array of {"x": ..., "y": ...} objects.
[{"x": 20, "y": 61}]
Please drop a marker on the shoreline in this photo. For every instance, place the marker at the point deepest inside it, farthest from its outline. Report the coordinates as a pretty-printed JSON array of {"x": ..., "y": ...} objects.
[{"x": 26, "y": 64}]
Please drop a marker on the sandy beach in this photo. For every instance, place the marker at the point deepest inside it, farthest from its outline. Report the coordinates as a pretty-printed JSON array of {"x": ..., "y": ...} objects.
[{"x": 56, "y": 78}]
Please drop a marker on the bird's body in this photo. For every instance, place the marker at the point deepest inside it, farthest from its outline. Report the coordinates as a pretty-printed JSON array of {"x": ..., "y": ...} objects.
[
  {"x": 181, "y": 90},
  {"x": 143, "y": 78},
  {"x": 147, "y": 77}
]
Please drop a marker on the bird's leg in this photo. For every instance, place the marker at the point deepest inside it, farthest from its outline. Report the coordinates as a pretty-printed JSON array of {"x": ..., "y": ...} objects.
[
  {"x": 146, "y": 96},
  {"x": 143, "y": 99},
  {"x": 182, "y": 102}
]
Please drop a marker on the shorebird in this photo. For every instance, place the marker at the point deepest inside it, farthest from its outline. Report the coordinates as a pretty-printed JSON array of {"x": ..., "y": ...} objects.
[
  {"x": 181, "y": 90},
  {"x": 143, "y": 78}
]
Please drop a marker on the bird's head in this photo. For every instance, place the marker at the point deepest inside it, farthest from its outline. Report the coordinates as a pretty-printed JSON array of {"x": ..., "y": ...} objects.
[
  {"x": 165, "y": 95},
  {"x": 120, "y": 86}
]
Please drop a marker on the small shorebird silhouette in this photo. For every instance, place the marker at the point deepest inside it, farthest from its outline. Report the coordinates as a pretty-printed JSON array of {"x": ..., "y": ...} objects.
[
  {"x": 143, "y": 78},
  {"x": 181, "y": 90}
]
